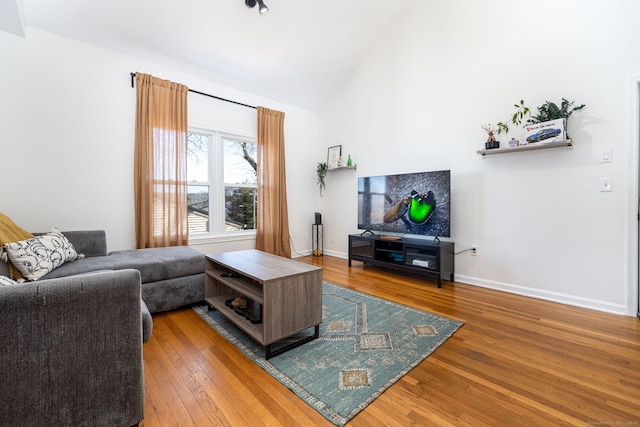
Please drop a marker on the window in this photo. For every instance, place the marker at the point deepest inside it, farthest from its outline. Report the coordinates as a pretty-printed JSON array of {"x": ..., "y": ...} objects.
[{"x": 222, "y": 191}]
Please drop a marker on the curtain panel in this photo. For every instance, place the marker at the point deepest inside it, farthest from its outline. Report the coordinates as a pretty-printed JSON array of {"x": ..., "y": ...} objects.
[
  {"x": 160, "y": 169},
  {"x": 272, "y": 233}
]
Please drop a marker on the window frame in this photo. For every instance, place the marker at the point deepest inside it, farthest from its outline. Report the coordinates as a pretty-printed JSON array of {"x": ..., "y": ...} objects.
[{"x": 216, "y": 185}]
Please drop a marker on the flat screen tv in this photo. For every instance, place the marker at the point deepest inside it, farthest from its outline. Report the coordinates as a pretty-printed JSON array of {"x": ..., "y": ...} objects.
[{"x": 411, "y": 203}]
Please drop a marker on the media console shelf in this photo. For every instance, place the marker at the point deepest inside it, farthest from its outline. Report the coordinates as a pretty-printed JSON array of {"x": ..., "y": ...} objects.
[{"x": 418, "y": 257}]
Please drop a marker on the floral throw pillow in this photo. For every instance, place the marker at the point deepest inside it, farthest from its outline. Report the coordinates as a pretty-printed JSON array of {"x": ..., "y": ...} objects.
[{"x": 38, "y": 256}]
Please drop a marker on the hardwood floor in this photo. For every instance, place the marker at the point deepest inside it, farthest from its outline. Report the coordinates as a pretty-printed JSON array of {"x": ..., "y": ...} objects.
[{"x": 516, "y": 361}]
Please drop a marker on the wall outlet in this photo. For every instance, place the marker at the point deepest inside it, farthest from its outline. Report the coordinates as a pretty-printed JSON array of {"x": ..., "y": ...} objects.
[
  {"x": 606, "y": 184},
  {"x": 474, "y": 251}
]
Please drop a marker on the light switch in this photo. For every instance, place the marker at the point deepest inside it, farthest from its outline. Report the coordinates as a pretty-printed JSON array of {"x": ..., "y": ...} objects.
[{"x": 606, "y": 155}]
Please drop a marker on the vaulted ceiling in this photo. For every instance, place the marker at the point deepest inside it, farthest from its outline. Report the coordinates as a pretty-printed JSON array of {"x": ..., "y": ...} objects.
[{"x": 300, "y": 52}]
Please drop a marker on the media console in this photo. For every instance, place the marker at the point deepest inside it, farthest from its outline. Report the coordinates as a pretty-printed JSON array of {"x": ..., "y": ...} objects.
[{"x": 420, "y": 257}]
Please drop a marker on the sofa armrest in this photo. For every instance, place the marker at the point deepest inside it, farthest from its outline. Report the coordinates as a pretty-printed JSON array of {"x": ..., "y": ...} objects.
[{"x": 72, "y": 351}]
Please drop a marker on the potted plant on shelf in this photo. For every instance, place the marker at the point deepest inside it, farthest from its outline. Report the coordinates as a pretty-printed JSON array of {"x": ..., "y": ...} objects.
[
  {"x": 491, "y": 140},
  {"x": 517, "y": 118},
  {"x": 550, "y": 111},
  {"x": 322, "y": 173},
  {"x": 551, "y": 120},
  {"x": 547, "y": 112}
]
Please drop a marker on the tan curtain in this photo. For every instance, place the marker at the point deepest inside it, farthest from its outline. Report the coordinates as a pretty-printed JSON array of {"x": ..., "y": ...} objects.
[
  {"x": 273, "y": 219},
  {"x": 160, "y": 170}
]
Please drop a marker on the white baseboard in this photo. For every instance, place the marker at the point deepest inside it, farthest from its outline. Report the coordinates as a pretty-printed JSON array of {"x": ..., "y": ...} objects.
[
  {"x": 326, "y": 252},
  {"x": 558, "y": 297}
]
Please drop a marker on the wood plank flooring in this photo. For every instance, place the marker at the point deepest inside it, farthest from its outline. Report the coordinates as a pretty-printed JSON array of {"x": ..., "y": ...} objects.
[{"x": 516, "y": 361}]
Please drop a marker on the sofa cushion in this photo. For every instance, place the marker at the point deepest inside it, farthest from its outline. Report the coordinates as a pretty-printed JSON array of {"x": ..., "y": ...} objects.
[
  {"x": 39, "y": 255},
  {"x": 86, "y": 265},
  {"x": 88, "y": 242},
  {"x": 161, "y": 263}
]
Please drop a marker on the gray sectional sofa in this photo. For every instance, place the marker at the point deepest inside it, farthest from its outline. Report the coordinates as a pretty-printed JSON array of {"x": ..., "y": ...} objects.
[{"x": 171, "y": 277}]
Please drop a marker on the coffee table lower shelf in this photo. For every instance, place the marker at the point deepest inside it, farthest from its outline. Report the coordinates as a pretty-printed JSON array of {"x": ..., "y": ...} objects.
[{"x": 255, "y": 330}]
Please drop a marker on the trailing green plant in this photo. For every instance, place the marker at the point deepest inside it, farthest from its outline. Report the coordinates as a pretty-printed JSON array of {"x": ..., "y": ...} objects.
[
  {"x": 522, "y": 112},
  {"x": 550, "y": 111},
  {"x": 322, "y": 173}
]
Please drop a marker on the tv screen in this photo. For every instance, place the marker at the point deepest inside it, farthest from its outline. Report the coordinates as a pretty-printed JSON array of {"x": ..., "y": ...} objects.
[{"x": 412, "y": 203}]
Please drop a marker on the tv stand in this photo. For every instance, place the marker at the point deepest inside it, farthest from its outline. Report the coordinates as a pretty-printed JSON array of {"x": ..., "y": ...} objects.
[{"x": 419, "y": 257}]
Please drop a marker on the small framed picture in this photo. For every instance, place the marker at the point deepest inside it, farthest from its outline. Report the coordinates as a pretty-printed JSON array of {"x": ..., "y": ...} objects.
[{"x": 333, "y": 156}]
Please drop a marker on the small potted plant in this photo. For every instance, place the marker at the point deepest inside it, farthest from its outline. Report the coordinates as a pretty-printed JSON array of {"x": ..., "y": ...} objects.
[
  {"x": 322, "y": 173},
  {"x": 491, "y": 140}
]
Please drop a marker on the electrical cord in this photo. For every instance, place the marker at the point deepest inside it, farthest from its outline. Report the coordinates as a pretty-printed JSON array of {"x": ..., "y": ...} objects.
[
  {"x": 294, "y": 246},
  {"x": 464, "y": 250}
]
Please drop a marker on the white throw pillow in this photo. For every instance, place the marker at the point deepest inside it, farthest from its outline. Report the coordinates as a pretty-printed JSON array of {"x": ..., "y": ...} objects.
[{"x": 38, "y": 256}]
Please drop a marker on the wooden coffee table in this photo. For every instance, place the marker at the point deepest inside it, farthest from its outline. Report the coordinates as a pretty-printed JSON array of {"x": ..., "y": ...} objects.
[{"x": 289, "y": 291}]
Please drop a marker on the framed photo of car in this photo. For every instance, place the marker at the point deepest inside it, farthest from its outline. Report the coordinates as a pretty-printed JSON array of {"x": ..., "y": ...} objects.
[{"x": 544, "y": 132}]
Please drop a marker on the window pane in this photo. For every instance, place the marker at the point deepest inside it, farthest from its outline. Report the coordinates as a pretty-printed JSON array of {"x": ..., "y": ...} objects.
[
  {"x": 240, "y": 208},
  {"x": 239, "y": 162},
  {"x": 197, "y": 157},
  {"x": 198, "y": 209}
]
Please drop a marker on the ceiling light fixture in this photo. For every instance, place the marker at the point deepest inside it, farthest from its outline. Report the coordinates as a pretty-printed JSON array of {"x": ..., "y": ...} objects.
[
  {"x": 252, "y": 3},
  {"x": 263, "y": 7}
]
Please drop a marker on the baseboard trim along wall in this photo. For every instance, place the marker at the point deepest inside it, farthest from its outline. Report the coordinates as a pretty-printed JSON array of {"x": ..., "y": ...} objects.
[
  {"x": 558, "y": 297},
  {"x": 544, "y": 295}
]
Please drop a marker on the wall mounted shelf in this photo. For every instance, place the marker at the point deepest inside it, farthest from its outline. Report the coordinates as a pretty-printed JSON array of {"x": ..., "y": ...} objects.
[
  {"x": 341, "y": 168},
  {"x": 535, "y": 146}
]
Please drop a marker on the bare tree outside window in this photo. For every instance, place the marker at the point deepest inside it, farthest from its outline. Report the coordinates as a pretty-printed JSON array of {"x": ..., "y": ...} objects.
[{"x": 240, "y": 180}]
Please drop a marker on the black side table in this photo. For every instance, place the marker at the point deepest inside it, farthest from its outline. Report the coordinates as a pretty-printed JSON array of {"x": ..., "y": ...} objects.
[{"x": 316, "y": 239}]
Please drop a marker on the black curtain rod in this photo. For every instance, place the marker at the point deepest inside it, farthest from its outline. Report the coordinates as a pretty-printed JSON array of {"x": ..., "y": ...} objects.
[{"x": 133, "y": 79}]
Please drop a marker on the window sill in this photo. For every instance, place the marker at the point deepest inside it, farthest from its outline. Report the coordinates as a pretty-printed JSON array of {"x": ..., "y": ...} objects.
[{"x": 207, "y": 239}]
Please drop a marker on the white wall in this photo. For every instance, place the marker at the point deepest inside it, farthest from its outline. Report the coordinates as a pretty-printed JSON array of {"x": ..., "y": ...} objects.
[
  {"x": 66, "y": 142},
  {"x": 417, "y": 103}
]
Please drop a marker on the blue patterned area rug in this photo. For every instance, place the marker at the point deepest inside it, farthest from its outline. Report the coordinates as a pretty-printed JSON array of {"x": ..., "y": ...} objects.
[{"x": 366, "y": 344}]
